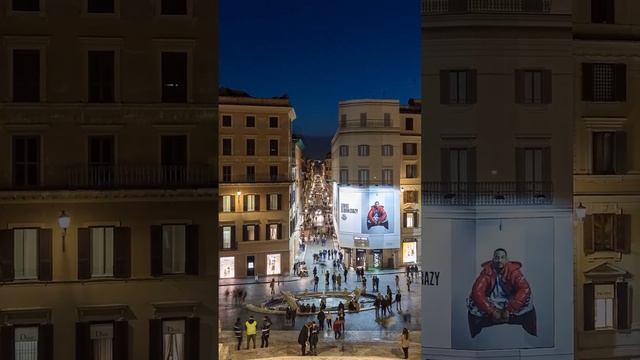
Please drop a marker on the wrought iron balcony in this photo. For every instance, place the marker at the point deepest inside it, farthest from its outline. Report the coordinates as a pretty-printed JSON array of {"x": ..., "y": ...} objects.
[
  {"x": 229, "y": 179},
  {"x": 132, "y": 176},
  {"x": 437, "y": 7},
  {"x": 486, "y": 193}
]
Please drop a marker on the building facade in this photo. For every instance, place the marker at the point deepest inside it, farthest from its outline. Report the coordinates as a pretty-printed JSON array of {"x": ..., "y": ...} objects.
[
  {"x": 256, "y": 183},
  {"x": 375, "y": 152},
  {"x": 498, "y": 255},
  {"x": 607, "y": 179},
  {"x": 108, "y": 190}
]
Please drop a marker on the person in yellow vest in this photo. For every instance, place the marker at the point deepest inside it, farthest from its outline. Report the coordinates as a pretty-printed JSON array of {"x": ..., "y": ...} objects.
[{"x": 251, "y": 327}]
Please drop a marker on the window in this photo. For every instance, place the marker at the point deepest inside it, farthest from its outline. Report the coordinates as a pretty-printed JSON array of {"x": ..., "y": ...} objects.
[
  {"x": 226, "y": 120},
  {"x": 174, "y": 7},
  {"x": 26, "y": 75},
  {"x": 100, "y": 6},
  {"x": 603, "y": 232},
  {"x": 409, "y": 220},
  {"x": 250, "y": 202},
  {"x": 273, "y": 122},
  {"x": 174, "y": 77},
  {"x": 274, "y": 201},
  {"x": 101, "y": 76},
  {"x": 458, "y": 164},
  {"x": 173, "y": 150},
  {"x": 250, "y": 233},
  {"x": 387, "y": 176},
  {"x": 273, "y": 231},
  {"x": 25, "y": 5},
  {"x": 363, "y": 176},
  {"x": 411, "y": 171},
  {"x": 273, "y": 173},
  {"x": 25, "y": 253},
  {"x": 603, "y": 306},
  {"x": 609, "y": 152},
  {"x": 173, "y": 336},
  {"x": 226, "y": 173},
  {"x": 533, "y": 165},
  {"x": 603, "y": 11},
  {"x": 226, "y": 147},
  {"x": 173, "y": 249},
  {"x": 408, "y": 124},
  {"x": 410, "y": 196},
  {"x": 533, "y": 86},
  {"x": 343, "y": 120},
  {"x": 387, "y": 150},
  {"x": 344, "y": 150},
  {"x": 26, "y": 160},
  {"x": 101, "y": 251},
  {"x": 363, "y": 150},
  {"x": 250, "y": 121},
  {"x": 344, "y": 176},
  {"x": 251, "y": 147},
  {"x": 273, "y": 147},
  {"x": 251, "y": 173},
  {"x": 387, "y": 120},
  {"x": 409, "y": 149},
  {"x": 607, "y": 232},
  {"x": 227, "y": 203},
  {"x": 363, "y": 119},
  {"x": 101, "y": 151},
  {"x": 101, "y": 336},
  {"x": 26, "y": 342},
  {"x": 227, "y": 239},
  {"x": 458, "y": 86},
  {"x": 604, "y": 82}
]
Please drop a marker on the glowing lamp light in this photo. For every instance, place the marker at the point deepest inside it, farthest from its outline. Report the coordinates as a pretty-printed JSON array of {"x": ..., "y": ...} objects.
[
  {"x": 581, "y": 211},
  {"x": 63, "y": 221}
]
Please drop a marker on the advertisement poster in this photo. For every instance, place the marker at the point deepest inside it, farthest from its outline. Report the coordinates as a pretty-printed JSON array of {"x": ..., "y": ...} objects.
[
  {"x": 371, "y": 214},
  {"x": 273, "y": 264},
  {"x": 227, "y": 267},
  {"x": 409, "y": 252}
]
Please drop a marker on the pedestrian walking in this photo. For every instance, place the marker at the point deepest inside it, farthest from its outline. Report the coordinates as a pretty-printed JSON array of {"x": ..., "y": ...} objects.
[
  {"x": 404, "y": 342},
  {"x": 389, "y": 291},
  {"x": 397, "y": 282},
  {"x": 339, "y": 280},
  {"x": 266, "y": 328},
  {"x": 328, "y": 318},
  {"x": 346, "y": 271},
  {"x": 333, "y": 281},
  {"x": 313, "y": 338},
  {"x": 321, "y": 318},
  {"x": 337, "y": 329},
  {"x": 303, "y": 338},
  {"x": 237, "y": 331},
  {"x": 376, "y": 304},
  {"x": 398, "y": 303},
  {"x": 251, "y": 327},
  {"x": 272, "y": 285},
  {"x": 315, "y": 282},
  {"x": 390, "y": 303},
  {"x": 383, "y": 305},
  {"x": 408, "y": 285}
]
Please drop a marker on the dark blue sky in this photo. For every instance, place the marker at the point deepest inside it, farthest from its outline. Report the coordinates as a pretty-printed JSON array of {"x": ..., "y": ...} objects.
[{"x": 321, "y": 52}]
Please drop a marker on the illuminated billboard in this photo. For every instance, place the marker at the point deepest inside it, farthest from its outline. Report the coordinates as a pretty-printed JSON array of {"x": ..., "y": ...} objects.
[{"x": 369, "y": 215}]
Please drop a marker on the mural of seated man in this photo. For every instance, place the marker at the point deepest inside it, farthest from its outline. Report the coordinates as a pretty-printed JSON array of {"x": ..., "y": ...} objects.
[
  {"x": 501, "y": 295},
  {"x": 377, "y": 216}
]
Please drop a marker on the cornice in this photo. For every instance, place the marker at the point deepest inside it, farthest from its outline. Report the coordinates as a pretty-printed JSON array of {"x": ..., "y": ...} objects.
[{"x": 20, "y": 197}]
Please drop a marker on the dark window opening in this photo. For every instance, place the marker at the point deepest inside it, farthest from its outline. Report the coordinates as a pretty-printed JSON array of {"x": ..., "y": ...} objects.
[
  {"x": 26, "y": 160},
  {"x": 174, "y": 77},
  {"x": 26, "y": 75},
  {"x": 101, "y": 76},
  {"x": 174, "y": 7},
  {"x": 100, "y": 6},
  {"x": 26, "y": 5}
]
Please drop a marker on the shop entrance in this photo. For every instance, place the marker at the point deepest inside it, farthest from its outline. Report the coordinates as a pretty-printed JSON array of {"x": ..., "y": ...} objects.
[
  {"x": 377, "y": 259},
  {"x": 251, "y": 265},
  {"x": 361, "y": 257}
]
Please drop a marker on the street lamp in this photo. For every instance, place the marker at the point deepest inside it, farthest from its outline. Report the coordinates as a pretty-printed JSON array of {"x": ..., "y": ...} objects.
[
  {"x": 581, "y": 212},
  {"x": 63, "y": 222}
]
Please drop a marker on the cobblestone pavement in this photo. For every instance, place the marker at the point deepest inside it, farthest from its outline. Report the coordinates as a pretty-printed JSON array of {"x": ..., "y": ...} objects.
[{"x": 381, "y": 344}]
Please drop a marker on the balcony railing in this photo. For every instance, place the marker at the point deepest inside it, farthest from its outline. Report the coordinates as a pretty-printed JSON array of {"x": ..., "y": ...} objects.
[
  {"x": 436, "y": 7},
  {"x": 254, "y": 179},
  {"x": 131, "y": 176},
  {"x": 368, "y": 123},
  {"x": 486, "y": 193}
]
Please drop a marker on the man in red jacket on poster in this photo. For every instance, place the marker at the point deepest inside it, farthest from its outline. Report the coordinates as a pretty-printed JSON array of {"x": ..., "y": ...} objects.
[
  {"x": 501, "y": 295},
  {"x": 377, "y": 216}
]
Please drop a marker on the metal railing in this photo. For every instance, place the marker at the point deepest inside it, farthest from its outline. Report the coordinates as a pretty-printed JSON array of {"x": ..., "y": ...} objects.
[
  {"x": 487, "y": 193},
  {"x": 254, "y": 178},
  {"x": 368, "y": 123},
  {"x": 141, "y": 176},
  {"x": 435, "y": 7}
]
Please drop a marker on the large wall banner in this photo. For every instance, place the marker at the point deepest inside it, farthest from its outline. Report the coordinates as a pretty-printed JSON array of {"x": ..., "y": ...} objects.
[{"x": 371, "y": 214}]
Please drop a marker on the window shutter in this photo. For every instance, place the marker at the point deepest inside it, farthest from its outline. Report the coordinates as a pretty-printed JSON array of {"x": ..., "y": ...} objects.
[
  {"x": 83, "y": 341},
  {"x": 7, "y": 342},
  {"x": 445, "y": 166},
  {"x": 121, "y": 340},
  {"x": 245, "y": 233},
  {"x": 256, "y": 232},
  {"x": 519, "y": 86},
  {"x": 620, "y": 152},
  {"x": 220, "y": 203},
  {"x": 622, "y": 296},
  {"x": 546, "y": 164},
  {"x": 45, "y": 342},
  {"x": 279, "y": 231},
  {"x": 220, "y": 237},
  {"x": 267, "y": 233},
  {"x": 444, "y": 87},
  {"x": 279, "y": 201},
  {"x": 587, "y": 232},
  {"x": 122, "y": 252},
  {"x": 620, "y": 81},
  {"x": 192, "y": 250},
  {"x": 416, "y": 219},
  {"x": 155, "y": 339},
  {"x": 156, "y": 250},
  {"x": 244, "y": 202},
  {"x": 595, "y": 11},
  {"x": 622, "y": 239},
  {"x": 520, "y": 161},
  {"x": 84, "y": 254},
  {"x": 405, "y": 196},
  {"x": 45, "y": 255},
  {"x": 6, "y": 255},
  {"x": 192, "y": 339},
  {"x": 404, "y": 220},
  {"x": 471, "y": 166},
  {"x": 234, "y": 244},
  {"x": 233, "y": 203},
  {"x": 587, "y": 82},
  {"x": 547, "y": 87},
  {"x": 472, "y": 86},
  {"x": 588, "y": 303},
  {"x": 610, "y": 11},
  {"x": 257, "y": 197}
]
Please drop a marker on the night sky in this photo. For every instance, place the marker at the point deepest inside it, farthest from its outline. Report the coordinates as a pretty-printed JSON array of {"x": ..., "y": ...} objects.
[{"x": 321, "y": 52}]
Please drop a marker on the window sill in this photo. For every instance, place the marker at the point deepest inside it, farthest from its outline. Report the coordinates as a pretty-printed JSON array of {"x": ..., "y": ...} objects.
[{"x": 605, "y": 255}]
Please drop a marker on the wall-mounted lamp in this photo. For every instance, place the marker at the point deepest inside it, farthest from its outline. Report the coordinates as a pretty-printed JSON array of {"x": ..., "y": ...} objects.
[
  {"x": 63, "y": 222},
  {"x": 581, "y": 212},
  {"x": 238, "y": 192}
]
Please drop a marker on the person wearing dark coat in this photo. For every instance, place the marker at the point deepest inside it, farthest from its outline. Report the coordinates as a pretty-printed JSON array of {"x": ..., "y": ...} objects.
[
  {"x": 237, "y": 331},
  {"x": 266, "y": 328},
  {"x": 303, "y": 337},
  {"x": 313, "y": 338},
  {"x": 313, "y": 308},
  {"x": 321, "y": 318}
]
